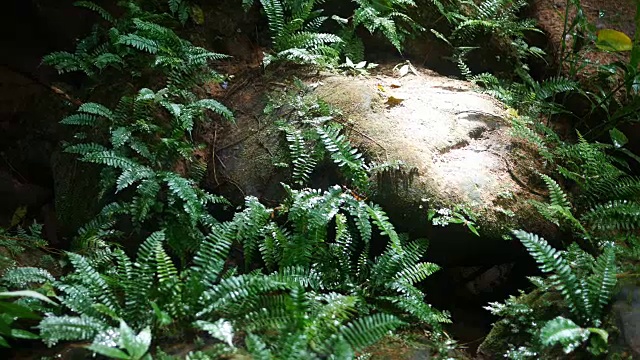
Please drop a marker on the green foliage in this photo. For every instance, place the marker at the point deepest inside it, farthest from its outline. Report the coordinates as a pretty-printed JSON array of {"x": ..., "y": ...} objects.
[
  {"x": 18, "y": 241},
  {"x": 314, "y": 134},
  {"x": 12, "y": 311},
  {"x": 385, "y": 16},
  {"x": 294, "y": 28},
  {"x": 571, "y": 336},
  {"x": 585, "y": 299},
  {"x": 300, "y": 307},
  {"x": 136, "y": 42},
  {"x": 134, "y": 346}
]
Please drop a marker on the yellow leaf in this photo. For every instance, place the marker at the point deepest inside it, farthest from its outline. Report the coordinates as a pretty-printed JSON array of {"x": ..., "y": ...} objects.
[
  {"x": 381, "y": 88},
  {"x": 394, "y": 100},
  {"x": 197, "y": 15},
  {"x": 613, "y": 40},
  {"x": 18, "y": 216}
]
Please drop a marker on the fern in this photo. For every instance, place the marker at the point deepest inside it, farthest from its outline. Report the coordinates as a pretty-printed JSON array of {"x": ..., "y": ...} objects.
[
  {"x": 565, "y": 332},
  {"x": 94, "y": 7},
  {"x": 550, "y": 261},
  {"x": 346, "y": 157},
  {"x": 600, "y": 285}
]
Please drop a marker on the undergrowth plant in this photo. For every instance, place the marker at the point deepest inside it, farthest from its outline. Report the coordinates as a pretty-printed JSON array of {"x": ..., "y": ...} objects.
[
  {"x": 144, "y": 141},
  {"x": 296, "y": 307},
  {"x": 295, "y": 27},
  {"x": 584, "y": 286},
  {"x": 315, "y": 132}
]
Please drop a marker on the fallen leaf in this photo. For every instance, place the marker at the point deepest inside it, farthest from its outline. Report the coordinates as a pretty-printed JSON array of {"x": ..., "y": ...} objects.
[
  {"x": 381, "y": 88},
  {"x": 396, "y": 84},
  {"x": 394, "y": 101},
  {"x": 404, "y": 70}
]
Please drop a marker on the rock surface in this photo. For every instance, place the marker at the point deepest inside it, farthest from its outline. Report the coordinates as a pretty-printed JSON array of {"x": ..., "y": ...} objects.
[
  {"x": 626, "y": 310},
  {"x": 457, "y": 148},
  {"x": 455, "y": 143}
]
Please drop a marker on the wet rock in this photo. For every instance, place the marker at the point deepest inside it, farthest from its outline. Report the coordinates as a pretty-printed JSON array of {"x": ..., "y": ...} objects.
[
  {"x": 458, "y": 151},
  {"x": 626, "y": 309}
]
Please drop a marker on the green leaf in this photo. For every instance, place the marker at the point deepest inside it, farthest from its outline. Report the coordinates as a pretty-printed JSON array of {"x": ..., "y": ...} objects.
[
  {"x": 23, "y": 334},
  {"x": 618, "y": 138},
  {"x": 221, "y": 330},
  {"x": 613, "y": 40},
  {"x": 136, "y": 345},
  {"x": 565, "y": 332},
  {"x": 4, "y": 343},
  {"x": 108, "y": 351},
  {"x": 17, "y": 311},
  {"x": 27, "y": 293}
]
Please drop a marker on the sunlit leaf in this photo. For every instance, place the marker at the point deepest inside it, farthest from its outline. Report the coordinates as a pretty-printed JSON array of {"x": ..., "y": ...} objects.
[
  {"x": 618, "y": 137},
  {"x": 613, "y": 40}
]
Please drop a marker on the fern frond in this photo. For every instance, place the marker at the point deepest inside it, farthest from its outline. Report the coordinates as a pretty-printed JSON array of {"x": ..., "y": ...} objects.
[
  {"x": 564, "y": 279},
  {"x": 301, "y": 158},
  {"x": 109, "y": 158},
  {"x": 564, "y": 332},
  {"x": 614, "y": 215},
  {"x": 96, "y": 109},
  {"x": 22, "y": 277},
  {"x": 140, "y": 43},
  {"x": 601, "y": 284},
  {"x": 344, "y": 155},
  {"x": 367, "y": 330},
  {"x": 80, "y": 120},
  {"x": 96, "y": 8},
  {"x": 74, "y": 328},
  {"x": 183, "y": 189},
  {"x": 557, "y": 195}
]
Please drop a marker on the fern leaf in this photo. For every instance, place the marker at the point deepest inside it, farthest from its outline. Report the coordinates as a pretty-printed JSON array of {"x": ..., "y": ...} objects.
[
  {"x": 348, "y": 158},
  {"x": 109, "y": 158},
  {"x": 303, "y": 162},
  {"x": 80, "y": 120},
  {"x": 74, "y": 328},
  {"x": 614, "y": 215},
  {"x": 140, "y": 43},
  {"x": 565, "y": 332},
  {"x": 550, "y": 260},
  {"x": 22, "y": 277},
  {"x": 132, "y": 175},
  {"x": 183, "y": 189},
  {"x": 275, "y": 14},
  {"x": 83, "y": 149},
  {"x": 379, "y": 218},
  {"x": 601, "y": 284},
  {"x": 558, "y": 197},
  {"x": 94, "y": 7},
  {"x": 96, "y": 109},
  {"x": 214, "y": 106},
  {"x": 368, "y": 330}
]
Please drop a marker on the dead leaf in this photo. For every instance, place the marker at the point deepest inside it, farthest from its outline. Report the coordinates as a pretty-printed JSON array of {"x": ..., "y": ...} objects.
[
  {"x": 394, "y": 101},
  {"x": 395, "y": 84},
  {"x": 404, "y": 70}
]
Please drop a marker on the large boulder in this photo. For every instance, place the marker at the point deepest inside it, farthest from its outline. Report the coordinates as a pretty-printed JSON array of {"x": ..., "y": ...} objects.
[
  {"x": 459, "y": 155},
  {"x": 455, "y": 144}
]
